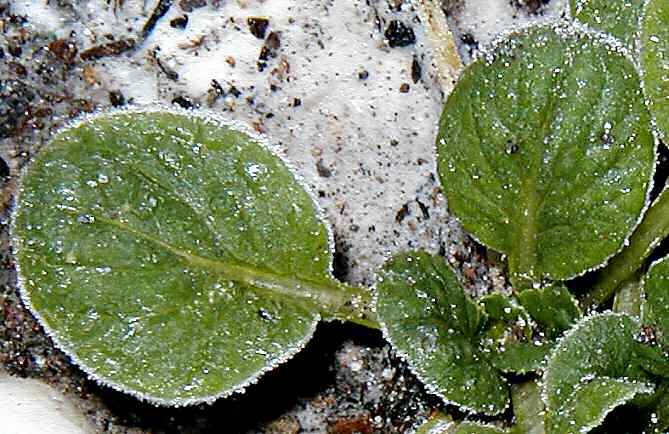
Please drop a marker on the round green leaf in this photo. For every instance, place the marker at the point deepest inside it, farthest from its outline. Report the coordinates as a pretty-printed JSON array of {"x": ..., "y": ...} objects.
[
  {"x": 546, "y": 151},
  {"x": 655, "y": 61},
  {"x": 171, "y": 255},
  {"x": 619, "y": 18},
  {"x": 436, "y": 327},
  {"x": 592, "y": 370}
]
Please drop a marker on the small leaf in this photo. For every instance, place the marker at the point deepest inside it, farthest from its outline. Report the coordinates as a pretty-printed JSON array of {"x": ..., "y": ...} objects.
[
  {"x": 655, "y": 309},
  {"x": 590, "y": 402},
  {"x": 519, "y": 357},
  {"x": 619, "y": 18},
  {"x": 654, "y": 60},
  {"x": 553, "y": 308},
  {"x": 546, "y": 152},
  {"x": 528, "y": 408},
  {"x": 508, "y": 336},
  {"x": 171, "y": 255},
  {"x": 592, "y": 370},
  {"x": 477, "y": 428},
  {"x": 436, "y": 327},
  {"x": 653, "y": 338}
]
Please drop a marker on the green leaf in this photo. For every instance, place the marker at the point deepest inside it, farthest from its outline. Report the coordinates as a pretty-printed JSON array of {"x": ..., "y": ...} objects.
[
  {"x": 655, "y": 309},
  {"x": 512, "y": 356},
  {"x": 619, "y": 18},
  {"x": 520, "y": 336},
  {"x": 546, "y": 152},
  {"x": 655, "y": 60},
  {"x": 553, "y": 308},
  {"x": 170, "y": 254},
  {"x": 590, "y": 402},
  {"x": 653, "y": 338},
  {"x": 436, "y": 327},
  {"x": 528, "y": 408},
  {"x": 508, "y": 336},
  {"x": 592, "y": 370},
  {"x": 477, "y": 428}
]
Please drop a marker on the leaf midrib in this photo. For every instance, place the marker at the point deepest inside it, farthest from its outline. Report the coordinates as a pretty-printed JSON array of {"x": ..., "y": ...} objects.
[{"x": 325, "y": 295}]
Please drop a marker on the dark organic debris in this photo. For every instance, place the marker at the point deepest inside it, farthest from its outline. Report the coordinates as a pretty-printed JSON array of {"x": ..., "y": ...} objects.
[
  {"x": 404, "y": 88},
  {"x": 191, "y": 5},
  {"x": 160, "y": 10},
  {"x": 111, "y": 49},
  {"x": 64, "y": 50},
  {"x": 416, "y": 70},
  {"x": 116, "y": 98},
  {"x": 4, "y": 169},
  {"x": 363, "y": 75},
  {"x": 15, "y": 103},
  {"x": 322, "y": 169},
  {"x": 179, "y": 22},
  {"x": 258, "y": 26},
  {"x": 399, "y": 34},
  {"x": 182, "y": 101},
  {"x": 532, "y": 7}
]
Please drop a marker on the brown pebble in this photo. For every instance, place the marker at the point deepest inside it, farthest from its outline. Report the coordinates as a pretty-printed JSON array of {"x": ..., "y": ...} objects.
[
  {"x": 231, "y": 61},
  {"x": 404, "y": 88}
]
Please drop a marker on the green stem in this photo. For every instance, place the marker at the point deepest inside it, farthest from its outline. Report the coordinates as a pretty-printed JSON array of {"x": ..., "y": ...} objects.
[{"x": 653, "y": 229}]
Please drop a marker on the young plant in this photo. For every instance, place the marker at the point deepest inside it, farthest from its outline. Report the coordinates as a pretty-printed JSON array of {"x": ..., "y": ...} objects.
[{"x": 175, "y": 257}]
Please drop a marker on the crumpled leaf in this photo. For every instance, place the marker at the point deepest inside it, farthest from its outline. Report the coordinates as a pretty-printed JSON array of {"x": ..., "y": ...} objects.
[
  {"x": 655, "y": 61},
  {"x": 521, "y": 338},
  {"x": 508, "y": 336},
  {"x": 553, "y": 308},
  {"x": 592, "y": 370},
  {"x": 170, "y": 254},
  {"x": 436, "y": 327},
  {"x": 546, "y": 152},
  {"x": 620, "y": 18}
]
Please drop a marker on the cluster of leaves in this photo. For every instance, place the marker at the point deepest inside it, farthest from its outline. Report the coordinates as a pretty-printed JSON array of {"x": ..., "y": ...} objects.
[
  {"x": 175, "y": 257},
  {"x": 546, "y": 153}
]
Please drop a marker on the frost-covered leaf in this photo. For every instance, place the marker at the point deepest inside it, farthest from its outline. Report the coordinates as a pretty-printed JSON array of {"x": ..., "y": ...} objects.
[
  {"x": 653, "y": 338},
  {"x": 477, "y": 428},
  {"x": 655, "y": 60},
  {"x": 522, "y": 338},
  {"x": 619, "y": 18},
  {"x": 552, "y": 307},
  {"x": 508, "y": 336},
  {"x": 592, "y": 370},
  {"x": 655, "y": 309},
  {"x": 442, "y": 424},
  {"x": 528, "y": 408},
  {"x": 546, "y": 152},
  {"x": 430, "y": 320},
  {"x": 590, "y": 402},
  {"x": 171, "y": 255}
]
